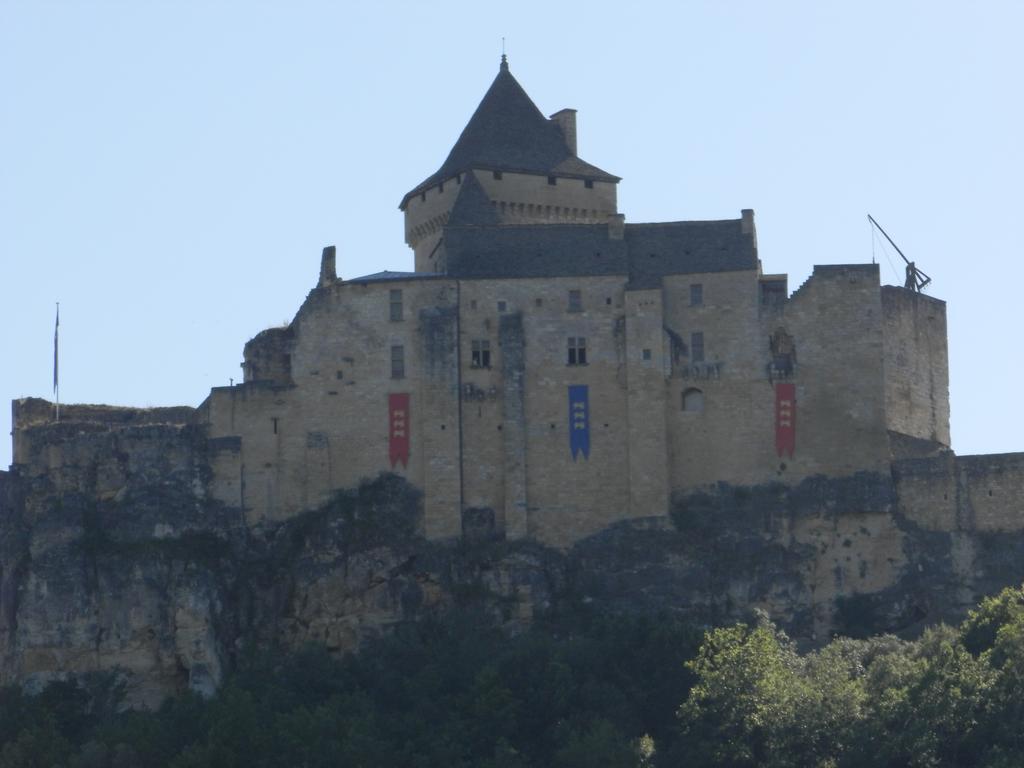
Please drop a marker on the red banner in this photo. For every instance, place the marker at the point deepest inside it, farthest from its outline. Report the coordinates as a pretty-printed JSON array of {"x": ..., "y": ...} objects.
[
  {"x": 785, "y": 419},
  {"x": 398, "y": 429}
]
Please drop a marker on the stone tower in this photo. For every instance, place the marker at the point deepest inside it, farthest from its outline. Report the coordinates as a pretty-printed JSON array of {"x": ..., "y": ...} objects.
[{"x": 514, "y": 161}]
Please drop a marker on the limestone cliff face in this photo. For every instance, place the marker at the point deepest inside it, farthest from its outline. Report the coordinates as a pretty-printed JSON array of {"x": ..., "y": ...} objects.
[{"x": 114, "y": 556}]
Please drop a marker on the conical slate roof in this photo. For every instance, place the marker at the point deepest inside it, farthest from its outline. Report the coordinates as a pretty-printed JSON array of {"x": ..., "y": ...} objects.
[{"x": 508, "y": 133}]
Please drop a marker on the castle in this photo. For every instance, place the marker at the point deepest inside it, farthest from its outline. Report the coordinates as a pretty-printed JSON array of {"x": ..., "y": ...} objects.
[
  {"x": 549, "y": 369},
  {"x": 629, "y": 415}
]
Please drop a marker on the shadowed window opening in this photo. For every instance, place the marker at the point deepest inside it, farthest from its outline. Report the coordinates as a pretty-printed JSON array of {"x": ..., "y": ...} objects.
[
  {"x": 397, "y": 362},
  {"x": 577, "y": 350},
  {"x": 575, "y": 301},
  {"x": 480, "y": 353},
  {"x": 693, "y": 400},
  {"x": 697, "y": 347}
]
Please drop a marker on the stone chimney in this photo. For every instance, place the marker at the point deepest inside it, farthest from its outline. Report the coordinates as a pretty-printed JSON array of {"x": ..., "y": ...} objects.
[
  {"x": 566, "y": 120},
  {"x": 748, "y": 228},
  {"x": 328, "y": 273},
  {"x": 616, "y": 226}
]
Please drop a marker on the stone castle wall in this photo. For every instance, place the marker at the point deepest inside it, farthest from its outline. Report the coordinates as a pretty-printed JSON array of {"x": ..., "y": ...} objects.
[
  {"x": 518, "y": 198},
  {"x": 916, "y": 364},
  {"x": 490, "y": 436}
]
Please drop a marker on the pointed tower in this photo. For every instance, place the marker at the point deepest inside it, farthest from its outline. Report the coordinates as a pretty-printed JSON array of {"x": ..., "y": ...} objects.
[{"x": 522, "y": 163}]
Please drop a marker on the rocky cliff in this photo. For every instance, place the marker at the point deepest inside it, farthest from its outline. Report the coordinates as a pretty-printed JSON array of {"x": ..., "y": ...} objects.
[{"x": 114, "y": 556}]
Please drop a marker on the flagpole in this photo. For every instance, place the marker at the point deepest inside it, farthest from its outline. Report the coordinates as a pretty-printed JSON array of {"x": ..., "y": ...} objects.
[{"x": 56, "y": 377}]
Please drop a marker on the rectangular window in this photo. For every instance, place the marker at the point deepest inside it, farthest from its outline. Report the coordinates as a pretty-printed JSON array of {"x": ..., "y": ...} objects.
[
  {"x": 696, "y": 295},
  {"x": 502, "y": 306},
  {"x": 575, "y": 301},
  {"x": 396, "y": 305},
  {"x": 497, "y": 174},
  {"x": 397, "y": 362},
  {"x": 577, "y": 350},
  {"x": 589, "y": 183},
  {"x": 552, "y": 180},
  {"x": 647, "y": 354},
  {"x": 697, "y": 347},
  {"x": 481, "y": 353}
]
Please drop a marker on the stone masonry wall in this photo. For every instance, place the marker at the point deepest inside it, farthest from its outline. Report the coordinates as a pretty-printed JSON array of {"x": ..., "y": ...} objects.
[
  {"x": 330, "y": 428},
  {"x": 916, "y": 364},
  {"x": 519, "y": 198},
  {"x": 283, "y": 445}
]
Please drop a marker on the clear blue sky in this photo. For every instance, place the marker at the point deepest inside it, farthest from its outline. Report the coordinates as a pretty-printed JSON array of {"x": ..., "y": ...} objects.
[{"x": 171, "y": 170}]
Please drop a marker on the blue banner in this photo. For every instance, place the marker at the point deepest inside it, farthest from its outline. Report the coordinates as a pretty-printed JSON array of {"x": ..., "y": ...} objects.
[{"x": 579, "y": 421}]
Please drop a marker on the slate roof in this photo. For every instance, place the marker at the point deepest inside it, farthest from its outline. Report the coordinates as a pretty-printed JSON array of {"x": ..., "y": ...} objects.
[
  {"x": 537, "y": 250},
  {"x": 646, "y": 254},
  {"x": 472, "y": 206},
  {"x": 508, "y": 133},
  {"x": 389, "y": 275},
  {"x": 687, "y": 247}
]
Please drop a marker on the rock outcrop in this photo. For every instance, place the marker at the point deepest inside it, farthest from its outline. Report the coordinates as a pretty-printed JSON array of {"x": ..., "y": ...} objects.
[{"x": 114, "y": 556}]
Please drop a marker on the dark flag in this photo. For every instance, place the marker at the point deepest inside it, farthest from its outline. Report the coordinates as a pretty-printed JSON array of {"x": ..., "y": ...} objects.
[
  {"x": 579, "y": 421},
  {"x": 785, "y": 419}
]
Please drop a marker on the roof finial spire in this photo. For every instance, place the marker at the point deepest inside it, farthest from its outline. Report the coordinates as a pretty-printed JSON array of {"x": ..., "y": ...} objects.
[{"x": 504, "y": 58}]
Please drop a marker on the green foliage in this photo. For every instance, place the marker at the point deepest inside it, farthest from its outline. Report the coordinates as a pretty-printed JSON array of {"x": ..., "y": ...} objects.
[
  {"x": 982, "y": 624},
  {"x": 456, "y": 692},
  {"x": 594, "y": 691},
  {"x": 950, "y": 698}
]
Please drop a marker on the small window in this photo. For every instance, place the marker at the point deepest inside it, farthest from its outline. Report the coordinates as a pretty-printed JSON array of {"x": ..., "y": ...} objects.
[
  {"x": 397, "y": 362},
  {"x": 608, "y": 300},
  {"x": 396, "y": 305},
  {"x": 696, "y": 295},
  {"x": 697, "y": 347},
  {"x": 502, "y": 306},
  {"x": 552, "y": 180},
  {"x": 693, "y": 400},
  {"x": 538, "y": 302},
  {"x": 481, "y": 353},
  {"x": 575, "y": 301},
  {"x": 588, "y": 183},
  {"x": 472, "y": 303},
  {"x": 577, "y": 350},
  {"x": 423, "y": 197},
  {"x": 647, "y": 354},
  {"x": 497, "y": 175}
]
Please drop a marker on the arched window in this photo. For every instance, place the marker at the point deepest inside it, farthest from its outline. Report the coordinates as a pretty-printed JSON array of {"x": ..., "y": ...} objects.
[{"x": 693, "y": 400}]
